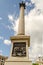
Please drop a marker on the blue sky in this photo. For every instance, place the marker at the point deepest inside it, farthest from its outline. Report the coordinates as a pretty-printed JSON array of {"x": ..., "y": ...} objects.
[
  {"x": 9, "y": 15},
  {"x": 8, "y": 7}
]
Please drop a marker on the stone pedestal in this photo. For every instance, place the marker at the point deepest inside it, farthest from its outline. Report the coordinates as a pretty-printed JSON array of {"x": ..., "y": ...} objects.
[
  {"x": 19, "y": 60},
  {"x": 19, "y": 63}
]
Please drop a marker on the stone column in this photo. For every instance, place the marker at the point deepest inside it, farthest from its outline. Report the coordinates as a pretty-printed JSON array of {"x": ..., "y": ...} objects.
[{"x": 21, "y": 27}]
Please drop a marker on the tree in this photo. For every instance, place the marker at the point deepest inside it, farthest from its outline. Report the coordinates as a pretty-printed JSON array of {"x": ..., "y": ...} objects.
[{"x": 35, "y": 64}]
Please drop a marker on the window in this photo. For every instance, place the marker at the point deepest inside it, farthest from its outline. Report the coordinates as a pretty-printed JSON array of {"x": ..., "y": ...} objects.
[
  {"x": 2, "y": 61},
  {"x": 42, "y": 59}
]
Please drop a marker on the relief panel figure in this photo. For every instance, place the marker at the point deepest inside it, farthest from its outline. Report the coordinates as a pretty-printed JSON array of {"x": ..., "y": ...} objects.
[{"x": 19, "y": 49}]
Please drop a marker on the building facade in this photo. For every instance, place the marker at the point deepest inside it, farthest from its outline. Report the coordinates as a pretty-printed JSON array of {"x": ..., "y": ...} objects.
[
  {"x": 40, "y": 60},
  {"x": 2, "y": 59}
]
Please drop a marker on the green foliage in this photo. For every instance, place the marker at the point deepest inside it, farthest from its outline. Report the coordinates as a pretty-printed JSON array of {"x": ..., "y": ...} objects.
[{"x": 35, "y": 64}]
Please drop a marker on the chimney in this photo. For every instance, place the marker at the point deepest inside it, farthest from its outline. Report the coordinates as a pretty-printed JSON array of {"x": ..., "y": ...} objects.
[{"x": 21, "y": 27}]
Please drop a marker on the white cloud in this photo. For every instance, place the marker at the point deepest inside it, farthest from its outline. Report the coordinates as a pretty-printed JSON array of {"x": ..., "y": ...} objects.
[
  {"x": 10, "y": 17},
  {"x": 0, "y": 18},
  {"x": 34, "y": 28},
  {"x": 1, "y": 37},
  {"x": 38, "y": 4},
  {"x": 0, "y": 52},
  {"x": 9, "y": 27},
  {"x": 7, "y": 42},
  {"x": 12, "y": 21},
  {"x": 27, "y": 3}
]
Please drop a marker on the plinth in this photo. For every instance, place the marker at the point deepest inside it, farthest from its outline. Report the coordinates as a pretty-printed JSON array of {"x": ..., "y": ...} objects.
[{"x": 19, "y": 51}]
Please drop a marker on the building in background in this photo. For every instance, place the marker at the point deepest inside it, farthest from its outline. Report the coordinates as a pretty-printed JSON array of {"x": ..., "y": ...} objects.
[
  {"x": 40, "y": 60},
  {"x": 2, "y": 59}
]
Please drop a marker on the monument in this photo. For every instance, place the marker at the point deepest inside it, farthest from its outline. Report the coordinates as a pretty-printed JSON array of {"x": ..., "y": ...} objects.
[{"x": 19, "y": 50}]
